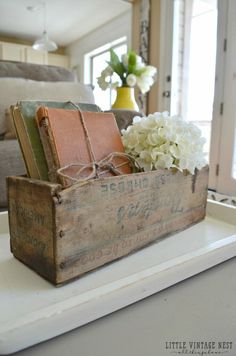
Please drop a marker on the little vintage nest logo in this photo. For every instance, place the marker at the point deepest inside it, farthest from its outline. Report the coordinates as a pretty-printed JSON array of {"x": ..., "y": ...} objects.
[{"x": 198, "y": 347}]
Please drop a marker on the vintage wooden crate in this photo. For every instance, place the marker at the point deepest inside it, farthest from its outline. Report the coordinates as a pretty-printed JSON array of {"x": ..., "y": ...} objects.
[{"x": 63, "y": 233}]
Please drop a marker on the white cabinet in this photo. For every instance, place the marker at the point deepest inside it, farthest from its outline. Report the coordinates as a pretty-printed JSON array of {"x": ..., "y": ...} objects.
[
  {"x": 23, "y": 53},
  {"x": 33, "y": 56},
  {"x": 12, "y": 52},
  {"x": 58, "y": 60}
]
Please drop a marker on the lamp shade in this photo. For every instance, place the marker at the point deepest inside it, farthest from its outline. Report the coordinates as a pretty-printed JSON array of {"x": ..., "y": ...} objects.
[{"x": 45, "y": 44}]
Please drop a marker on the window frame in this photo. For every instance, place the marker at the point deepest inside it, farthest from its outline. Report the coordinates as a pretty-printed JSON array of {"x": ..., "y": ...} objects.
[
  {"x": 223, "y": 129},
  {"x": 223, "y": 147}
]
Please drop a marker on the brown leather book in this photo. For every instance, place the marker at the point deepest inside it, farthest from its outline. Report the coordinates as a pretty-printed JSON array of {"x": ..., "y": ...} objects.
[{"x": 80, "y": 140}]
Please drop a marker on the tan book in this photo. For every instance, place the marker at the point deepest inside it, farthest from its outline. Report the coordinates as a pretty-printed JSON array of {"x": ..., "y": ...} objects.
[{"x": 80, "y": 138}]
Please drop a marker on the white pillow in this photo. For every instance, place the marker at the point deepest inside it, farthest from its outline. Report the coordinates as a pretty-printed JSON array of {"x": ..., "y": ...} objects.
[{"x": 13, "y": 90}]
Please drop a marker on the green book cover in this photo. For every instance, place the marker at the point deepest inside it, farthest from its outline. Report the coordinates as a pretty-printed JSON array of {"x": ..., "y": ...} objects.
[{"x": 29, "y": 137}]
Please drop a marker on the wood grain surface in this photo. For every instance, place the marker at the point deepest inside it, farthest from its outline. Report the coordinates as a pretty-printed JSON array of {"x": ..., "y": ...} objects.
[{"x": 64, "y": 233}]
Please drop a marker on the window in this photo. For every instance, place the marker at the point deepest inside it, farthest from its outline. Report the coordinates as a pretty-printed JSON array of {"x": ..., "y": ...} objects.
[
  {"x": 223, "y": 147},
  {"x": 95, "y": 63},
  {"x": 193, "y": 65},
  {"x": 203, "y": 80}
]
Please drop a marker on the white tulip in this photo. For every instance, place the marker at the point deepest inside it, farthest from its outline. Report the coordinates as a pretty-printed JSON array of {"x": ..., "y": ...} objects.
[
  {"x": 150, "y": 71},
  {"x": 131, "y": 80},
  {"x": 124, "y": 59},
  {"x": 108, "y": 71},
  {"x": 102, "y": 83},
  {"x": 143, "y": 84},
  {"x": 139, "y": 62},
  {"x": 137, "y": 73}
]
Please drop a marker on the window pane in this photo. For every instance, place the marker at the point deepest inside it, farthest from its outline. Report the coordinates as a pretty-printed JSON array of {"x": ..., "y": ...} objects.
[
  {"x": 234, "y": 159},
  {"x": 102, "y": 97},
  {"x": 201, "y": 79},
  {"x": 193, "y": 65}
]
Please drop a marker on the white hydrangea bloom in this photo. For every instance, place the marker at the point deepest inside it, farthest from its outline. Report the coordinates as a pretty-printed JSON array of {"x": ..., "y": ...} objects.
[{"x": 163, "y": 141}]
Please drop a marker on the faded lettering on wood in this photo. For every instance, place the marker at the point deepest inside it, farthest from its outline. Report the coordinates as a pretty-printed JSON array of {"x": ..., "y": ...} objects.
[
  {"x": 32, "y": 223},
  {"x": 114, "y": 216},
  {"x": 83, "y": 227}
]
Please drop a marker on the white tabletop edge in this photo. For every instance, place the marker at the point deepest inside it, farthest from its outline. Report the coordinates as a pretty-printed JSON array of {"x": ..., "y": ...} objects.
[
  {"x": 117, "y": 298},
  {"x": 229, "y": 243}
]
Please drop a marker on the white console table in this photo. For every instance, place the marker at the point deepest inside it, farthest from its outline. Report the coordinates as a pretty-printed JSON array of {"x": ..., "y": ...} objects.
[{"x": 200, "y": 308}]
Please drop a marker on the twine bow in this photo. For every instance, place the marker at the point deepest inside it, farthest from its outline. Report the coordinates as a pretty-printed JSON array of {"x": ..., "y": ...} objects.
[{"x": 98, "y": 168}]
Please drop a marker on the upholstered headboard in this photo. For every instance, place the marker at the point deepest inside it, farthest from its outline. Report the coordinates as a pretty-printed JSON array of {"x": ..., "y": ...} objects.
[
  {"x": 26, "y": 81},
  {"x": 39, "y": 72}
]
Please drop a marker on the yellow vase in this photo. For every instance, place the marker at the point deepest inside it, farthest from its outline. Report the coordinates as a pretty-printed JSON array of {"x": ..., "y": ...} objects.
[{"x": 125, "y": 99}]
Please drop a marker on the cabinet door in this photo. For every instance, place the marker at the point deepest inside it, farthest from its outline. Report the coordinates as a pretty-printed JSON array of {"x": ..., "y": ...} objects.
[
  {"x": 59, "y": 60},
  {"x": 33, "y": 56},
  {"x": 12, "y": 52}
]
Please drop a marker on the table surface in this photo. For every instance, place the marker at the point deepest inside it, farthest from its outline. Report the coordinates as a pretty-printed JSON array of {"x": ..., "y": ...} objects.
[
  {"x": 201, "y": 308},
  {"x": 32, "y": 310}
]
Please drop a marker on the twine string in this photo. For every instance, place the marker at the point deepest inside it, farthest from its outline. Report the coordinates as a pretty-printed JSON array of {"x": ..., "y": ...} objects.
[
  {"x": 89, "y": 144},
  {"x": 71, "y": 102},
  {"x": 100, "y": 167}
]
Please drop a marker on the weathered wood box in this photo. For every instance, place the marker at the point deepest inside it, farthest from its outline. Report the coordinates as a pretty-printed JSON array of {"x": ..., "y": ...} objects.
[{"x": 63, "y": 233}]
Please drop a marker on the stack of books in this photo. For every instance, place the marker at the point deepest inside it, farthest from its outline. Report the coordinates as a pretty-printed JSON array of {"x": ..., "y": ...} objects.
[{"x": 62, "y": 135}]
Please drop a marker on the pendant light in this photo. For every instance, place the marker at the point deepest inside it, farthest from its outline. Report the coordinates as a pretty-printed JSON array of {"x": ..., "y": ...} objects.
[{"x": 44, "y": 43}]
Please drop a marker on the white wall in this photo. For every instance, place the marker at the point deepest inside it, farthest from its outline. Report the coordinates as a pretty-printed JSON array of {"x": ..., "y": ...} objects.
[{"x": 117, "y": 28}]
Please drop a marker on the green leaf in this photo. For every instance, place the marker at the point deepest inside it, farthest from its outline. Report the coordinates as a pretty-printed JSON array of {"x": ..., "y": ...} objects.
[
  {"x": 116, "y": 65},
  {"x": 114, "y": 58},
  {"x": 138, "y": 72},
  {"x": 132, "y": 60}
]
